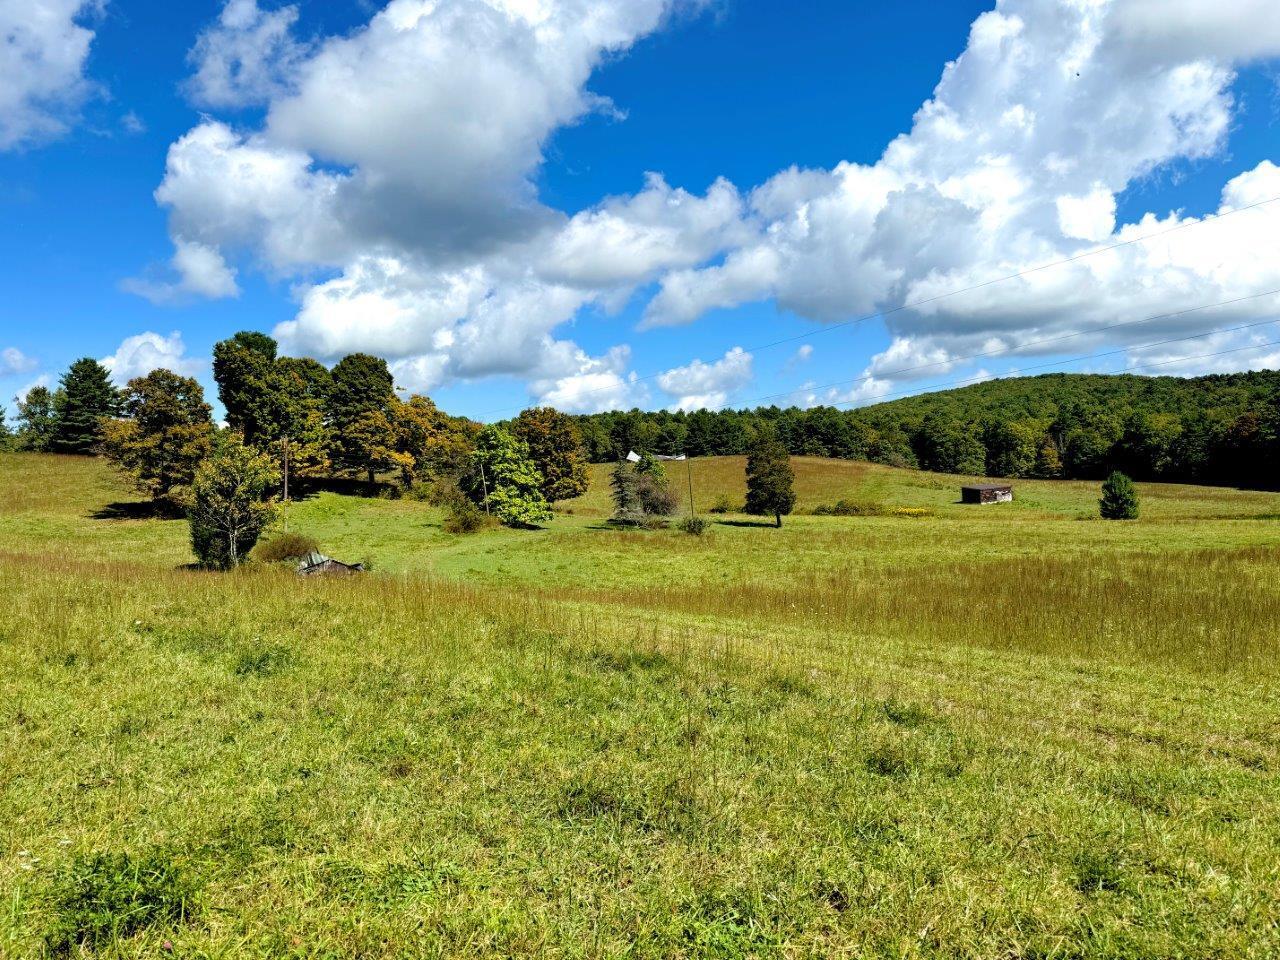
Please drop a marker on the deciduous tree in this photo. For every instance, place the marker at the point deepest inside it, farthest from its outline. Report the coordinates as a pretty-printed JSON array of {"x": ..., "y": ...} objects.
[
  {"x": 362, "y": 385},
  {"x": 369, "y": 445},
  {"x": 435, "y": 444},
  {"x": 167, "y": 432},
  {"x": 555, "y": 444},
  {"x": 36, "y": 419},
  {"x": 504, "y": 479},
  {"x": 243, "y": 366},
  {"x": 232, "y": 503}
]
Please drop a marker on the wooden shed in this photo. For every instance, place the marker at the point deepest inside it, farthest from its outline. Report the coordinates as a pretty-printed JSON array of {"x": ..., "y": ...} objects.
[
  {"x": 987, "y": 493},
  {"x": 318, "y": 565}
]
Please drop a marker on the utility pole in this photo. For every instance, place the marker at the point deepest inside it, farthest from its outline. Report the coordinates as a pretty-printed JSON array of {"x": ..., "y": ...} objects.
[
  {"x": 485, "y": 484},
  {"x": 286, "y": 484},
  {"x": 689, "y": 466}
]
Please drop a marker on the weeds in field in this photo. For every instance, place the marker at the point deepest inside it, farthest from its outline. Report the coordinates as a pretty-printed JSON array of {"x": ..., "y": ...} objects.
[{"x": 102, "y": 897}]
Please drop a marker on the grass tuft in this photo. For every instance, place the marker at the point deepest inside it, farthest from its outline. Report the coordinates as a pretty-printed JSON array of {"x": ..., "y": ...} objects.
[{"x": 99, "y": 898}]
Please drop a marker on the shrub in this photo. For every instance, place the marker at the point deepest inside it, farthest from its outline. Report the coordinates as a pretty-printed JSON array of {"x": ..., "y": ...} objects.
[
  {"x": 285, "y": 547},
  {"x": 695, "y": 526},
  {"x": 1119, "y": 498},
  {"x": 657, "y": 499},
  {"x": 104, "y": 896},
  {"x": 914, "y": 513},
  {"x": 723, "y": 505},
  {"x": 850, "y": 508},
  {"x": 232, "y": 504},
  {"x": 463, "y": 516}
]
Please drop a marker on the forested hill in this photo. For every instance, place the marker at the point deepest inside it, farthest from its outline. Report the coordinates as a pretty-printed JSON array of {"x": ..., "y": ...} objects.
[{"x": 1216, "y": 429}]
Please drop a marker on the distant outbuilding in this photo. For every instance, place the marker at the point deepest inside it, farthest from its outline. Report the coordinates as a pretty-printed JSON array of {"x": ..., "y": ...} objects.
[
  {"x": 987, "y": 493},
  {"x": 316, "y": 564}
]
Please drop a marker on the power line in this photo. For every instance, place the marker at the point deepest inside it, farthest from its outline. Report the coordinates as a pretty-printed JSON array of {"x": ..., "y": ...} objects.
[{"x": 910, "y": 305}]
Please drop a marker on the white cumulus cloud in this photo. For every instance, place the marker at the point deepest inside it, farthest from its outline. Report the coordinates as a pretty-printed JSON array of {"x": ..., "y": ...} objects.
[
  {"x": 139, "y": 355},
  {"x": 1054, "y": 108},
  {"x": 392, "y": 179},
  {"x": 199, "y": 270},
  {"x": 44, "y": 46},
  {"x": 699, "y": 385},
  {"x": 247, "y": 57}
]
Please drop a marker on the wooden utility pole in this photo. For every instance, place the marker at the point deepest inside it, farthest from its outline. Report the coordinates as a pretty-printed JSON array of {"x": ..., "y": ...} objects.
[
  {"x": 485, "y": 485},
  {"x": 286, "y": 484},
  {"x": 689, "y": 465}
]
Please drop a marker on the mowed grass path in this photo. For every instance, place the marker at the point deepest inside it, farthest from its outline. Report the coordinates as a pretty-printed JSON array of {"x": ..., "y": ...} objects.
[{"x": 987, "y": 733}]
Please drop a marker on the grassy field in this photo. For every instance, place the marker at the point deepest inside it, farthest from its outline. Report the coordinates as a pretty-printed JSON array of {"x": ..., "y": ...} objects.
[{"x": 986, "y": 732}]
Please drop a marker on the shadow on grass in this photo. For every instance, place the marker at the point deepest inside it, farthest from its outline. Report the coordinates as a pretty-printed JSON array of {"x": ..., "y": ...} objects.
[
  {"x": 747, "y": 523},
  {"x": 137, "y": 510}
]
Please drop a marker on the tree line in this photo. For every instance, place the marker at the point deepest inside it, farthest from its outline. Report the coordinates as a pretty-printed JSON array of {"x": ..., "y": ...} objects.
[
  {"x": 295, "y": 421},
  {"x": 1221, "y": 429}
]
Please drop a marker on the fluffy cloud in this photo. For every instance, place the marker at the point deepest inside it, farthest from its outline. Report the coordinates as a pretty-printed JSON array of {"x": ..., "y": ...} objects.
[
  {"x": 1054, "y": 108},
  {"x": 200, "y": 271},
  {"x": 1191, "y": 29},
  {"x": 708, "y": 385},
  {"x": 415, "y": 231},
  {"x": 139, "y": 355},
  {"x": 599, "y": 383},
  {"x": 245, "y": 58},
  {"x": 43, "y": 49},
  {"x": 371, "y": 166},
  {"x": 13, "y": 361}
]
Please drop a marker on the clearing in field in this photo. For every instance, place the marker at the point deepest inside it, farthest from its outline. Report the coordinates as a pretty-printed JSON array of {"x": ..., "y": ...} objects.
[{"x": 936, "y": 731}]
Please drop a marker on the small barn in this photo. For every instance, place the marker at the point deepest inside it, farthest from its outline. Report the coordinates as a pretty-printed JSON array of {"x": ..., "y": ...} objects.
[
  {"x": 318, "y": 565},
  {"x": 987, "y": 493}
]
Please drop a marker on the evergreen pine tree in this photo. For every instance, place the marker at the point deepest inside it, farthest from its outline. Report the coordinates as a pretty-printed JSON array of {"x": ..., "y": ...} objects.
[
  {"x": 1119, "y": 498},
  {"x": 770, "y": 479},
  {"x": 85, "y": 399},
  {"x": 625, "y": 484}
]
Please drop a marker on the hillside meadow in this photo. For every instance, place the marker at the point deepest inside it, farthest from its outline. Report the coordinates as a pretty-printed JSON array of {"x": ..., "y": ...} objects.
[{"x": 964, "y": 732}]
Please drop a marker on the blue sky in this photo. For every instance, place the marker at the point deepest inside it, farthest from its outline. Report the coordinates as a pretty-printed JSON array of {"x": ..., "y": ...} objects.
[{"x": 570, "y": 278}]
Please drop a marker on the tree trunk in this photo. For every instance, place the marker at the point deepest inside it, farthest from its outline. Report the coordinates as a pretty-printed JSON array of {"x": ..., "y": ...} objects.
[{"x": 778, "y": 518}]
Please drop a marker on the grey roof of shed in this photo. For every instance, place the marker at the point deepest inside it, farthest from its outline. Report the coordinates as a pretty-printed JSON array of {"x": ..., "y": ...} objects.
[{"x": 315, "y": 562}]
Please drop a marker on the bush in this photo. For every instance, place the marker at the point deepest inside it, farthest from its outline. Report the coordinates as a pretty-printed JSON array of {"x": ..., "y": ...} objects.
[
  {"x": 1119, "y": 498},
  {"x": 105, "y": 896},
  {"x": 723, "y": 505},
  {"x": 286, "y": 547},
  {"x": 914, "y": 513},
  {"x": 232, "y": 504},
  {"x": 850, "y": 508},
  {"x": 463, "y": 516},
  {"x": 657, "y": 499},
  {"x": 695, "y": 526}
]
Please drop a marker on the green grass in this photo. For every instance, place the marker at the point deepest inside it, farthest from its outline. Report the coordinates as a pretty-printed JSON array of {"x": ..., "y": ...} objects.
[{"x": 995, "y": 732}]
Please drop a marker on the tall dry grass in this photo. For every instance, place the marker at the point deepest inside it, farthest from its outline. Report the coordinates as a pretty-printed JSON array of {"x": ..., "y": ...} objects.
[{"x": 1214, "y": 610}]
